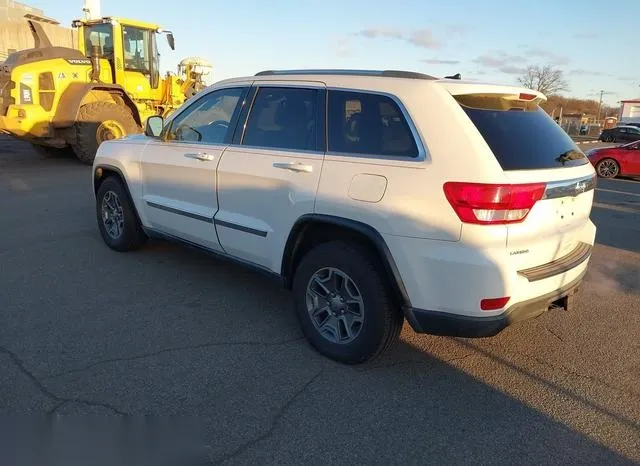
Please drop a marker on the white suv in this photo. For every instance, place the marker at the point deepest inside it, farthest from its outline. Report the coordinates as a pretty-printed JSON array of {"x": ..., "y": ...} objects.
[{"x": 373, "y": 195}]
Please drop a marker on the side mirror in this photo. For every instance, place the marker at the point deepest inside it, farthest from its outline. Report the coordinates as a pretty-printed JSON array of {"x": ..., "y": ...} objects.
[
  {"x": 154, "y": 126},
  {"x": 171, "y": 41}
]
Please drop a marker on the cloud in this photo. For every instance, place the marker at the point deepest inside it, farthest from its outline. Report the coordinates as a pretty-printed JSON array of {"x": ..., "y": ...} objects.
[
  {"x": 377, "y": 32},
  {"x": 459, "y": 29},
  {"x": 342, "y": 47},
  {"x": 585, "y": 35},
  {"x": 583, "y": 72},
  {"x": 424, "y": 38},
  {"x": 628, "y": 78},
  {"x": 499, "y": 60},
  {"x": 438, "y": 61},
  {"x": 510, "y": 69},
  {"x": 550, "y": 56}
]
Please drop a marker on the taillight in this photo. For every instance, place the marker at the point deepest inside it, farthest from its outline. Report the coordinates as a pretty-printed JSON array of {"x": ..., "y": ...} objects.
[
  {"x": 493, "y": 304},
  {"x": 493, "y": 204}
]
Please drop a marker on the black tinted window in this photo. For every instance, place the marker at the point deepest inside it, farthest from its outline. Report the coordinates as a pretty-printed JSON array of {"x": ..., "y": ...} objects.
[
  {"x": 526, "y": 140},
  {"x": 363, "y": 123},
  {"x": 208, "y": 119},
  {"x": 283, "y": 118}
]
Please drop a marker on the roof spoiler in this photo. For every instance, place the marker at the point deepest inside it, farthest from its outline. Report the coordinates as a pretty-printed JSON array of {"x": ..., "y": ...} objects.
[{"x": 455, "y": 76}]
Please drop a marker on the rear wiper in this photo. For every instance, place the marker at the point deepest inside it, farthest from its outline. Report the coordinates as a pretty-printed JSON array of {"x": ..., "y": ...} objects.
[{"x": 571, "y": 154}]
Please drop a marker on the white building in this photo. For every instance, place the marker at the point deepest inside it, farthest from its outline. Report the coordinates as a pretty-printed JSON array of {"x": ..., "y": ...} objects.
[{"x": 630, "y": 111}]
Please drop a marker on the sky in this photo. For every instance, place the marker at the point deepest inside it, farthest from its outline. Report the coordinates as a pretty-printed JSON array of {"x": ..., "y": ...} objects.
[{"x": 593, "y": 42}]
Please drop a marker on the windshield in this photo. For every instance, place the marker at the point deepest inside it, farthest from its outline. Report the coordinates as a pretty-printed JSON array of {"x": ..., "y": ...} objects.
[{"x": 525, "y": 139}]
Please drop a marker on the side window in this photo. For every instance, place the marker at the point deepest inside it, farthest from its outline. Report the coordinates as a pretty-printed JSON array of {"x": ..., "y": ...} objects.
[
  {"x": 363, "y": 123},
  {"x": 208, "y": 119},
  {"x": 283, "y": 118}
]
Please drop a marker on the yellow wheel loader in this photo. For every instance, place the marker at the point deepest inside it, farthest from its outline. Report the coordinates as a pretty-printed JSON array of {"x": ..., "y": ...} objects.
[{"x": 65, "y": 100}]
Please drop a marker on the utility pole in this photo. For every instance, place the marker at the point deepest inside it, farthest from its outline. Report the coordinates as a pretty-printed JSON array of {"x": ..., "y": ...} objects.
[{"x": 599, "y": 106}]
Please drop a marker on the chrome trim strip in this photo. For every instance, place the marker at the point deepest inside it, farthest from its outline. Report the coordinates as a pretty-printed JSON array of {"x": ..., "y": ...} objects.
[
  {"x": 422, "y": 151},
  {"x": 581, "y": 253},
  {"x": 570, "y": 188},
  {"x": 184, "y": 213},
  {"x": 235, "y": 226},
  {"x": 277, "y": 150}
]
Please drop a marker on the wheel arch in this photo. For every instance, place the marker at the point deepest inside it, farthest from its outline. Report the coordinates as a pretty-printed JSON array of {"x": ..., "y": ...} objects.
[
  {"x": 312, "y": 229},
  {"x": 77, "y": 94},
  {"x": 102, "y": 171}
]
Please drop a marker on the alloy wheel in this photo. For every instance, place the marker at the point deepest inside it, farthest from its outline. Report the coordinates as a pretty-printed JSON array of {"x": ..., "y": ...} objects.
[{"x": 335, "y": 305}]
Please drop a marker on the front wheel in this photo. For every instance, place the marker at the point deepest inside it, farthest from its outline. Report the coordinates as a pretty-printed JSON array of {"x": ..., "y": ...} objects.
[
  {"x": 607, "y": 168},
  {"x": 117, "y": 220},
  {"x": 344, "y": 305}
]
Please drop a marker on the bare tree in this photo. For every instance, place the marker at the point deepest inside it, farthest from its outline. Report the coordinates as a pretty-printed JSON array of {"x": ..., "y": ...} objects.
[{"x": 545, "y": 79}]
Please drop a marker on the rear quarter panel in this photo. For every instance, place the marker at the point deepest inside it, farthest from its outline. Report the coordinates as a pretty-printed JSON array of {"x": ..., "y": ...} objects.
[{"x": 413, "y": 203}]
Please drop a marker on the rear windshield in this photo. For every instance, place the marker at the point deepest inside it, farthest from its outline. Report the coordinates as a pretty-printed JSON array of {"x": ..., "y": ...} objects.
[{"x": 526, "y": 139}]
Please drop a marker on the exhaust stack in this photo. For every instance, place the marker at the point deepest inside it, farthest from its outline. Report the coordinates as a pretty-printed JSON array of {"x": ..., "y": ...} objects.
[
  {"x": 40, "y": 38},
  {"x": 92, "y": 9}
]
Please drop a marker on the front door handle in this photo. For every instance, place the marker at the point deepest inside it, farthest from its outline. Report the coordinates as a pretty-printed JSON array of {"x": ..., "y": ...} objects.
[
  {"x": 200, "y": 156},
  {"x": 296, "y": 167}
]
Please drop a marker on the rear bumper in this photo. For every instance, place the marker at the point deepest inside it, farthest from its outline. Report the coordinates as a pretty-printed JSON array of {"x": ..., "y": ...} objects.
[{"x": 455, "y": 325}]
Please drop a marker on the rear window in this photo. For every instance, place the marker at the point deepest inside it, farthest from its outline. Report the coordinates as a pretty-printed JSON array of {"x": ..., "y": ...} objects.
[{"x": 525, "y": 138}]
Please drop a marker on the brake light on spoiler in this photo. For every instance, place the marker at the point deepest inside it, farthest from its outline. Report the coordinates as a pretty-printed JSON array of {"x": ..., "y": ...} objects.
[{"x": 493, "y": 204}]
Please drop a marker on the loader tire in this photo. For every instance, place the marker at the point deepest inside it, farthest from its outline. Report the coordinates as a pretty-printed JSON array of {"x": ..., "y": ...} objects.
[
  {"x": 99, "y": 122},
  {"x": 52, "y": 152}
]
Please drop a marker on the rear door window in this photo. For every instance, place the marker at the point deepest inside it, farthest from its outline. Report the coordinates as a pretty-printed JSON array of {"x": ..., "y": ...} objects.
[
  {"x": 524, "y": 138},
  {"x": 366, "y": 123}
]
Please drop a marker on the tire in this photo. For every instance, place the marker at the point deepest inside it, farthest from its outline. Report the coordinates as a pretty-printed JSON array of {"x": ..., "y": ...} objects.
[
  {"x": 381, "y": 320},
  {"x": 607, "y": 168},
  {"x": 112, "y": 198},
  {"x": 100, "y": 121},
  {"x": 52, "y": 152}
]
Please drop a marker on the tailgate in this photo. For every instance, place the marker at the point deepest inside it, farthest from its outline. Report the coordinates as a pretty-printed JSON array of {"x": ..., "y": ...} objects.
[{"x": 533, "y": 150}]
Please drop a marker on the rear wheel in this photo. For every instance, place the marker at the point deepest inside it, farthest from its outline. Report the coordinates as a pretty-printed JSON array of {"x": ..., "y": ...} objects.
[
  {"x": 117, "y": 219},
  {"x": 607, "y": 168},
  {"x": 344, "y": 305},
  {"x": 99, "y": 122}
]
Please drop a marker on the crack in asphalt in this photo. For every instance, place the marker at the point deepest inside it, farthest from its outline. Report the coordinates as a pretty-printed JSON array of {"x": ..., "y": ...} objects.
[
  {"x": 575, "y": 373},
  {"x": 554, "y": 334},
  {"x": 170, "y": 350},
  {"x": 410, "y": 362},
  {"x": 48, "y": 393},
  {"x": 282, "y": 411}
]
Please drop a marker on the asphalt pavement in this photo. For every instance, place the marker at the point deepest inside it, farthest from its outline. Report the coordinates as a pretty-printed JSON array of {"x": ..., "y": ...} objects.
[{"x": 173, "y": 333}]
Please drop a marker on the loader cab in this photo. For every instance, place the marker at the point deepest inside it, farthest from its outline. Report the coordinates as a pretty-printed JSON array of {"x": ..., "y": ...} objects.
[{"x": 131, "y": 49}]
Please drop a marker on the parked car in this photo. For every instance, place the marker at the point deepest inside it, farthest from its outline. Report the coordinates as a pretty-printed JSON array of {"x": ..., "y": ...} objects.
[
  {"x": 372, "y": 195},
  {"x": 620, "y": 134},
  {"x": 610, "y": 162},
  {"x": 635, "y": 124}
]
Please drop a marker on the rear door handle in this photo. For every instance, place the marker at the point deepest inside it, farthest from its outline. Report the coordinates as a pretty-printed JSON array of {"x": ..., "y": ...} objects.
[
  {"x": 200, "y": 156},
  {"x": 294, "y": 166}
]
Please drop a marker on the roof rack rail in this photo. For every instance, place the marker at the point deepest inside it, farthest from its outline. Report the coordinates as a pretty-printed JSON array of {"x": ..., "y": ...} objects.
[{"x": 381, "y": 73}]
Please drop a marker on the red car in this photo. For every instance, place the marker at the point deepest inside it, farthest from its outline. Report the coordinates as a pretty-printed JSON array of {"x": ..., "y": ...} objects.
[{"x": 610, "y": 162}]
